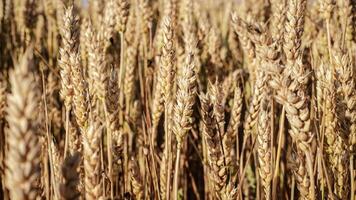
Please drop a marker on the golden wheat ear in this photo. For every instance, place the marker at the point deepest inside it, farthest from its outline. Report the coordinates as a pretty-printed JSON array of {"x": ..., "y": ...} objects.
[
  {"x": 24, "y": 150},
  {"x": 92, "y": 162},
  {"x": 217, "y": 170},
  {"x": 264, "y": 151}
]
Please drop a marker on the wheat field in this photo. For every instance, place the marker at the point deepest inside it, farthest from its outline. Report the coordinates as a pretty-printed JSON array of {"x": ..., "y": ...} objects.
[{"x": 177, "y": 99}]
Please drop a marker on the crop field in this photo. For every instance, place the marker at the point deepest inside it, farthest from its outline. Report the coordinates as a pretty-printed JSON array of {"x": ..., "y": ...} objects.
[{"x": 178, "y": 99}]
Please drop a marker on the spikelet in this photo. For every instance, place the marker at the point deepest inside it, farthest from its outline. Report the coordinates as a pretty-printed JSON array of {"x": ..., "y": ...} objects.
[{"x": 23, "y": 155}]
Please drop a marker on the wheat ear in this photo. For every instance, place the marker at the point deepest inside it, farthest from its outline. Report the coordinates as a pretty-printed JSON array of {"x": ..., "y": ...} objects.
[
  {"x": 346, "y": 14},
  {"x": 264, "y": 152},
  {"x": 346, "y": 74},
  {"x": 183, "y": 109},
  {"x": 215, "y": 156},
  {"x": 23, "y": 156},
  {"x": 293, "y": 29},
  {"x": 335, "y": 145},
  {"x": 92, "y": 162},
  {"x": 69, "y": 48},
  {"x": 232, "y": 129},
  {"x": 107, "y": 28}
]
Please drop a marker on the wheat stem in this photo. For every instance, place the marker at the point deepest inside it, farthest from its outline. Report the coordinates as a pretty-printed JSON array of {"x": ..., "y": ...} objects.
[{"x": 176, "y": 174}]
